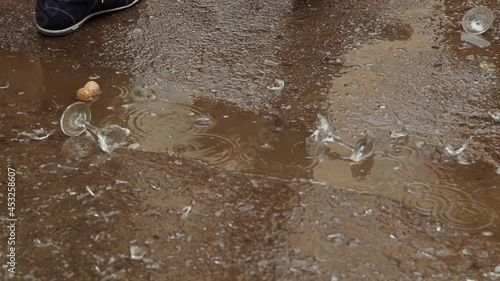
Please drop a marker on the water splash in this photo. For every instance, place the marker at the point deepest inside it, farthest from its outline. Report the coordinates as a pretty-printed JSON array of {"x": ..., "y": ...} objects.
[
  {"x": 323, "y": 133},
  {"x": 363, "y": 149},
  {"x": 399, "y": 130},
  {"x": 111, "y": 137},
  {"x": 449, "y": 150}
]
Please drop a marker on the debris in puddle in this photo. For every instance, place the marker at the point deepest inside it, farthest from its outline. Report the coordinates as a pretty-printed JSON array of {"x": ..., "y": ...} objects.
[
  {"x": 465, "y": 252},
  {"x": 37, "y": 134},
  {"x": 4, "y": 83},
  {"x": 278, "y": 86},
  {"x": 94, "y": 76},
  {"x": 354, "y": 243},
  {"x": 121, "y": 182},
  {"x": 478, "y": 20},
  {"x": 488, "y": 66},
  {"x": 40, "y": 244},
  {"x": 185, "y": 212},
  {"x": 476, "y": 40},
  {"x": 112, "y": 137},
  {"x": 88, "y": 91},
  {"x": 90, "y": 191},
  {"x": 337, "y": 238},
  {"x": 495, "y": 115},
  {"x": 137, "y": 253},
  {"x": 270, "y": 63},
  {"x": 134, "y": 146},
  {"x": 67, "y": 167},
  {"x": 352, "y": 85},
  {"x": 454, "y": 152},
  {"x": 399, "y": 130}
]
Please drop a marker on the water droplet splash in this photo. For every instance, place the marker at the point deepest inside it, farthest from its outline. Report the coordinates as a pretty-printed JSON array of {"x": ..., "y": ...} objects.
[
  {"x": 323, "y": 133},
  {"x": 112, "y": 137}
]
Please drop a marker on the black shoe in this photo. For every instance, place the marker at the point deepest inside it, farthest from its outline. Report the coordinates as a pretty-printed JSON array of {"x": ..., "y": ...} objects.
[{"x": 60, "y": 17}]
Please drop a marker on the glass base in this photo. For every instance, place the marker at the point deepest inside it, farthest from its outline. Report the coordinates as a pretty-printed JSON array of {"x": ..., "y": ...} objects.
[{"x": 74, "y": 118}]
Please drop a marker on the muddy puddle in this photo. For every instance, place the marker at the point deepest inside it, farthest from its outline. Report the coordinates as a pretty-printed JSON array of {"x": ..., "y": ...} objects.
[
  {"x": 206, "y": 189},
  {"x": 456, "y": 190}
]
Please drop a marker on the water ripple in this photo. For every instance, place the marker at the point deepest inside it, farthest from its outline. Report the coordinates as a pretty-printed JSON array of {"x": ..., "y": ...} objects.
[
  {"x": 450, "y": 205},
  {"x": 162, "y": 122},
  {"x": 213, "y": 149}
]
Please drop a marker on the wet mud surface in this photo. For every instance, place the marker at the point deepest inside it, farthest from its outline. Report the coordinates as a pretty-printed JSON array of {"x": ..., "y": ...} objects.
[{"x": 217, "y": 180}]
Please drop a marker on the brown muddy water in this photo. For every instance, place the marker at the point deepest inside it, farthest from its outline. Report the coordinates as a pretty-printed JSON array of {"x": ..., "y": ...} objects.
[{"x": 217, "y": 181}]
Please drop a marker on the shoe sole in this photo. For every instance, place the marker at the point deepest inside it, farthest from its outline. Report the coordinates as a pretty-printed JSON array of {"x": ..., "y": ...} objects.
[{"x": 62, "y": 32}]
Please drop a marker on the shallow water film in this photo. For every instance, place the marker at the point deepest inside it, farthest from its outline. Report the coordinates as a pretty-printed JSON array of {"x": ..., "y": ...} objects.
[{"x": 253, "y": 140}]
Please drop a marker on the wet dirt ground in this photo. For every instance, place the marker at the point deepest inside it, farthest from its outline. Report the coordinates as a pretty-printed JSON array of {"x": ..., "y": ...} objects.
[{"x": 217, "y": 181}]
